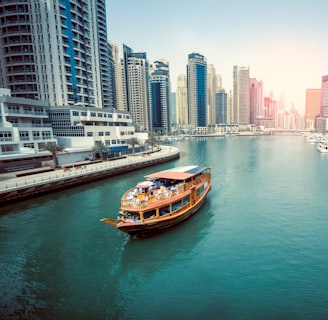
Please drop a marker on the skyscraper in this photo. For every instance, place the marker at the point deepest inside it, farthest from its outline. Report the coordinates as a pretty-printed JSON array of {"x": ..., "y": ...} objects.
[
  {"x": 312, "y": 107},
  {"x": 211, "y": 90},
  {"x": 160, "y": 97},
  {"x": 256, "y": 100},
  {"x": 324, "y": 96},
  {"x": 182, "y": 100},
  {"x": 56, "y": 51},
  {"x": 197, "y": 90},
  {"x": 221, "y": 107},
  {"x": 135, "y": 87},
  {"x": 241, "y": 95}
]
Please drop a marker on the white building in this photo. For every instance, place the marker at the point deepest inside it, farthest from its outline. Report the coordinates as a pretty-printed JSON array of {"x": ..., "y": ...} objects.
[
  {"x": 77, "y": 127},
  {"x": 24, "y": 131}
]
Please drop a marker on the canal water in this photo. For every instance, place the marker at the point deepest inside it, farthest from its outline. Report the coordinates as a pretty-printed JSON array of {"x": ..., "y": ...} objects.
[{"x": 257, "y": 249}]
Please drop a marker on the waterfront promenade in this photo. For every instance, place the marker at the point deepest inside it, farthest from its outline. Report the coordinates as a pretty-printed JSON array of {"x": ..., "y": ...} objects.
[{"x": 13, "y": 188}]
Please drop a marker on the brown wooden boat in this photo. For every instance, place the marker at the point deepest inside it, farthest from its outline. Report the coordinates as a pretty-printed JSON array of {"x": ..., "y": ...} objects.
[{"x": 164, "y": 199}]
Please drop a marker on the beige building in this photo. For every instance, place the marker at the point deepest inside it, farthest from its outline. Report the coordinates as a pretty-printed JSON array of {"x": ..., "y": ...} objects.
[{"x": 182, "y": 100}]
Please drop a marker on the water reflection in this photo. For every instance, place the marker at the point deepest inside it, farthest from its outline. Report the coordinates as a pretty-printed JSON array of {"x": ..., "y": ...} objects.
[{"x": 143, "y": 259}]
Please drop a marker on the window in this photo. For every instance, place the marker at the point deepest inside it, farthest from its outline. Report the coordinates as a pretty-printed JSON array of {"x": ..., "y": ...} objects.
[
  {"x": 28, "y": 145},
  {"x": 100, "y": 133},
  {"x": 5, "y": 136},
  {"x": 75, "y": 113},
  {"x": 164, "y": 210},
  {"x": 23, "y": 135},
  {"x": 46, "y": 135},
  {"x": 36, "y": 135}
]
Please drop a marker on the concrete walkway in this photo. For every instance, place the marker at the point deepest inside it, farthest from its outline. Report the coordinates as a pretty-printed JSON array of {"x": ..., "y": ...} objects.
[{"x": 9, "y": 181}]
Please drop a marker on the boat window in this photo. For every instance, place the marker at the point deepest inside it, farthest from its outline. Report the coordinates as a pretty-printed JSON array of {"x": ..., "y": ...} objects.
[
  {"x": 200, "y": 190},
  {"x": 185, "y": 200},
  {"x": 164, "y": 210},
  {"x": 149, "y": 214},
  {"x": 176, "y": 205}
]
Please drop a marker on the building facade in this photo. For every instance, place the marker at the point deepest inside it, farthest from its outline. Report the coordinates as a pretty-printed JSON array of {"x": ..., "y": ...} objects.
[
  {"x": 182, "y": 100},
  {"x": 160, "y": 98},
  {"x": 56, "y": 51},
  {"x": 324, "y": 97},
  {"x": 241, "y": 95},
  {"x": 256, "y": 100},
  {"x": 75, "y": 127},
  {"x": 221, "y": 107},
  {"x": 197, "y": 90},
  {"x": 312, "y": 108},
  {"x": 134, "y": 87},
  {"x": 25, "y": 129},
  {"x": 211, "y": 93}
]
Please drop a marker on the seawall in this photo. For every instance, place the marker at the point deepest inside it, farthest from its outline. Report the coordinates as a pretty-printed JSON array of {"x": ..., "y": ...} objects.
[{"x": 17, "y": 189}]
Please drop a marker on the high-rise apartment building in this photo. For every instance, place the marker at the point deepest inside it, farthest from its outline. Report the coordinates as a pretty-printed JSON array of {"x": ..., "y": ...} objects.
[
  {"x": 256, "y": 100},
  {"x": 134, "y": 87},
  {"x": 322, "y": 121},
  {"x": 211, "y": 91},
  {"x": 312, "y": 107},
  {"x": 182, "y": 100},
  {"x": 241, "y": 95},
  {"x": 221, "y": 107},
  {"x": 324, "y": 96},
  {"x": 160, "y": 97},
  {"x": 56, "y": 51},
  {"x": 197, "y": 90}
]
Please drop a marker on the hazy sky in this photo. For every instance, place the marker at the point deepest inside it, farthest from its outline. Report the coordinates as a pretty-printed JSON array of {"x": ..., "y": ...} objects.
[{"x": 284, "y": 43}]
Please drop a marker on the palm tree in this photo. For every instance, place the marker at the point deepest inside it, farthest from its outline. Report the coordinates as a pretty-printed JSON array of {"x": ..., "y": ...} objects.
[
  {"x": 132, "y": 142},
  {"x": 100, "y": 147},
  {"x": 54, "y": 148},
  {"x": 153, "y": 141}
]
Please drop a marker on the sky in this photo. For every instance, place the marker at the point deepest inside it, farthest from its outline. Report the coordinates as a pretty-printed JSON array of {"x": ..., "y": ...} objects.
[{"x": 284, "y": 43}]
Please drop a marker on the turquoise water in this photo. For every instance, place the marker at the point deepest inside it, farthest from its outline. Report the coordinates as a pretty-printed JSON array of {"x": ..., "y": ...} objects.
[{"x": 256, "y": 250}]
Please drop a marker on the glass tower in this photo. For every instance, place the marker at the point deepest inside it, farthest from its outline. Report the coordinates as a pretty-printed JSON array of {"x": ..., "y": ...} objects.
[
  {"x": 197, "y": 90},
  {"x": 160, "y": 97}
]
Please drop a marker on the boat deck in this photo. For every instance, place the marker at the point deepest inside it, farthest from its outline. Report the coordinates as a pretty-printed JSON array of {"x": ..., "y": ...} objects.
[{"x": 134, "y": 200}]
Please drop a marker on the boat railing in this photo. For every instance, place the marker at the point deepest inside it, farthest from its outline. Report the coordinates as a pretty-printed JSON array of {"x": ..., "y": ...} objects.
[{"x": 134, "y": 199}]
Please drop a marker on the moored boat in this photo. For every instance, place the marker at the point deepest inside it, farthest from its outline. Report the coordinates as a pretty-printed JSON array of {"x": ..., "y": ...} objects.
[
  {"x": 164, "y": 199},
  {"x": 322, "y": 147}
]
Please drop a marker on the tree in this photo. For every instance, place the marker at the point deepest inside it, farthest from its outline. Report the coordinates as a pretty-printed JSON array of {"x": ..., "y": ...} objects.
[
  {"x": 132, "y": 142},
  {"x": 100, "y": 148},
  {"x": 153, "y": 141},
  {"x": 54, "y": 148}
]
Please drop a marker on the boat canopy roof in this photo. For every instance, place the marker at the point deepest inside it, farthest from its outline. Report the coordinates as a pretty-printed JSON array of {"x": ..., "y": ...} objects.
[{"x": 179, "y": 173}]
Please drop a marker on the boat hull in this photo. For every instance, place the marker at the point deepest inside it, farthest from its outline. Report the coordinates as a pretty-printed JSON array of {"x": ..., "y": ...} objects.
[{"x": 154, "y": 227}]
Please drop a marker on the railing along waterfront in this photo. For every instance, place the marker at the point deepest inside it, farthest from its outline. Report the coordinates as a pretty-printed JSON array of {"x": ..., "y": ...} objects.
[{"x": 82, "y": 170}]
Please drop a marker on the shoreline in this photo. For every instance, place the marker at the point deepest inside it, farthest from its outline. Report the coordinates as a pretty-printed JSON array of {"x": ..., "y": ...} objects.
[{"x": 15, "y": 189}]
